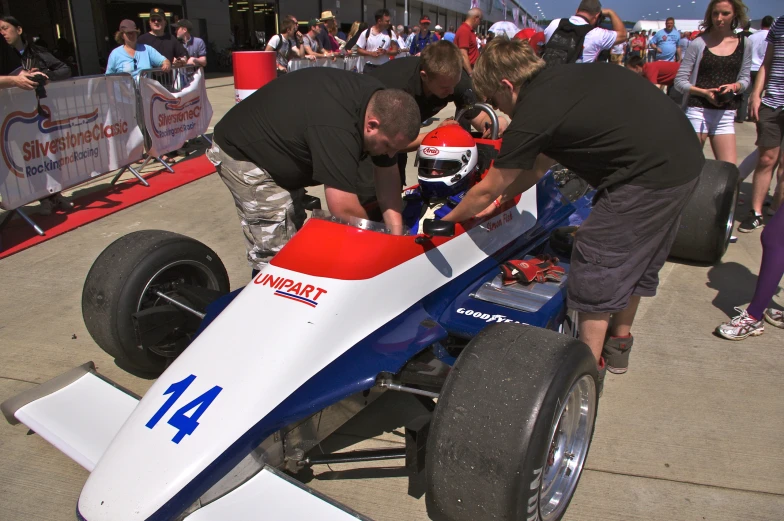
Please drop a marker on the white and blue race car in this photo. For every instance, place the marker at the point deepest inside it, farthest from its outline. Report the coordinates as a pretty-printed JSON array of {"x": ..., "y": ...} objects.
[{"x": 253, "y": 380}]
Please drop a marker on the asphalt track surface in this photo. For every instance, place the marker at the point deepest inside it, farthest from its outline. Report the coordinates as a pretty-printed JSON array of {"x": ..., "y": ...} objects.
[{"x": 694, "y": 430}]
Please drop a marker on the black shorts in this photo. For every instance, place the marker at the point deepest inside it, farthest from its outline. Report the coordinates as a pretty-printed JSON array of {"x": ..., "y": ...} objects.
[
  {"x": 620, "y": 248},
  {"x": 770, "y": 127}
]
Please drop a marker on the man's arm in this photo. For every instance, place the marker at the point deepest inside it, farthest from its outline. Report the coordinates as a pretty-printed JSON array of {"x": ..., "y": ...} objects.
[
  {"x": 362, "y": 43},
  {"x": 678, "y": 54},
  {"x": 22, "y": 80},
  {"x": 486, "y": 191},
  {"x": 504, "y": 182},
  {"x": 755, "y": 99},
  {"x": 617, "y": 26},
  {"x": 343, "y": 204},
  {"x": 387, "y": 180},
  {"x": 482, "y": 124},
  {"x": 201, "y": 54},
  {"x": 310, "y": 52},
  {"x": 466, "y": 61}
]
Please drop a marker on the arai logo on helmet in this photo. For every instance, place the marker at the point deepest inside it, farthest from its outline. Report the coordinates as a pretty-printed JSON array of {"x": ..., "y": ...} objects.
[{"x": 430, "y": 151}]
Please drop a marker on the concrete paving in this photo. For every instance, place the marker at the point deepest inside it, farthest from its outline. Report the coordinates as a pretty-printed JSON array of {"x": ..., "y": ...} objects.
[{"x": 693, "y": 432}]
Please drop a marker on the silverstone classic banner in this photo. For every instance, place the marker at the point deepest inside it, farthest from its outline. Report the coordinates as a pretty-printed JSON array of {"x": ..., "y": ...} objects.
[
  {"x": 83, "y": 128},
  {"x": 172, "y": 118}
]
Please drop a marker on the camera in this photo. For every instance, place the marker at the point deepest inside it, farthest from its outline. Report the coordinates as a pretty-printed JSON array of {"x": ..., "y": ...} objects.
[{"x": 40, "y": 79}]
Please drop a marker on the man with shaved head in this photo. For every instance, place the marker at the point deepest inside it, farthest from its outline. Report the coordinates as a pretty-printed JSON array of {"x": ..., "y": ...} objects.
[{"x": 465, "y": 39}]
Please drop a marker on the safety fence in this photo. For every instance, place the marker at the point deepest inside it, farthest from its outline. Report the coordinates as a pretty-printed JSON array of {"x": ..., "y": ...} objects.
[
  {"x": 349, "y": 62},
  {"x": 90, "y": 126}
]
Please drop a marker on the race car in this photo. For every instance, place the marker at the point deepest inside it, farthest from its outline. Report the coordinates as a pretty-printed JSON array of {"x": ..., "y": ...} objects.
[{"x": 251, "y": 381}]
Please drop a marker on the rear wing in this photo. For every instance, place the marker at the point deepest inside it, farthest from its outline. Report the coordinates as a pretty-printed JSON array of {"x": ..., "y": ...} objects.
[{"x": 78, "y": 412}]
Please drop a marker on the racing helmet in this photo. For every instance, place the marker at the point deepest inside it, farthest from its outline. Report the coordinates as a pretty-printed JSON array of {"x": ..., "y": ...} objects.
[{"x": 447, "y": 161}]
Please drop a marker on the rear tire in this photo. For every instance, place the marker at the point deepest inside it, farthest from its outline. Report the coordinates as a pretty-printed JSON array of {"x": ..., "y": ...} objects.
[
  {"x": 706, "y": 222},
  {"x": 498, "y": 446},
  {"x": 120, "y": 282}
]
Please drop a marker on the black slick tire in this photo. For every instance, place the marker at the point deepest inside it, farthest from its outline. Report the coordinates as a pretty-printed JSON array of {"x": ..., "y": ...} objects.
[
  {"x": 491, "y": 432},
  {"x": 706, "y": 222},
  {"x": 118, "y": 278}
]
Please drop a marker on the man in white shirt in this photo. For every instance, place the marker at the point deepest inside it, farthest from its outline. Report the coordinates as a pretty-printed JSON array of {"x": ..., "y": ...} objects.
[
  {"x": 598, "y": 39},
  {"x": 373, "y": 43},
  {"x": 284, "y": 44},
  {"x": 758, "y": 47}
]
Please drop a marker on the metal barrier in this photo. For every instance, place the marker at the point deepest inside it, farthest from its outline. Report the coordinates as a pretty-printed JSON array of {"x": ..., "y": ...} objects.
[
  {"x": 174, "y": 80},
  {"x": 349, "y": 62},
  {"x": 84, "y": 128}
]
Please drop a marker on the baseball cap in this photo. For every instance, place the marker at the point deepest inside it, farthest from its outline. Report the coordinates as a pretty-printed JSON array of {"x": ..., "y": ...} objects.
[
  {"x": 184, "y": 23},
  {"x": 425, "y": 20},
  {"x": 157, "y": 12},
  {"x": 525, "y": 34},
  {"x": 128, "y": 25},
  {"x": 313, "y": 21},
  {"x": 438, "y": 28}
]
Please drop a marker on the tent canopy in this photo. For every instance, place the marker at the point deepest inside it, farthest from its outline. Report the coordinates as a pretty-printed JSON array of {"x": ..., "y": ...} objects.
[{"x": 681, "y": 25}]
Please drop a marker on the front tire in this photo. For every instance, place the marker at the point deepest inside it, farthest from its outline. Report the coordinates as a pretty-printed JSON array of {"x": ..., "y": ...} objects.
[
  {"x": 122, "y": 281},
  {"x": 512, "y": 427}
]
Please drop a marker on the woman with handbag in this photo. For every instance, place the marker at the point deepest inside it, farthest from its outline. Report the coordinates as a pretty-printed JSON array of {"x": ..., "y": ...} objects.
[{"x": 715, "y": 69}]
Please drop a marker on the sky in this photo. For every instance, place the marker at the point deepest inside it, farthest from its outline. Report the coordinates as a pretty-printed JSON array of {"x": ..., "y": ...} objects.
[{"x": 633, "y": 10}]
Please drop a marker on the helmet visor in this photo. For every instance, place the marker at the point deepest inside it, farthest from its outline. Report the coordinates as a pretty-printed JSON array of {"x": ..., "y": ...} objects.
[{"x": 437, "y": 168}]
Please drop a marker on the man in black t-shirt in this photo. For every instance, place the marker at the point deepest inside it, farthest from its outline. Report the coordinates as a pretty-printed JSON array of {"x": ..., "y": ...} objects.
[
  {"x": 287, "y": 136},
  {"x": 162, "y": 40},
  {"x": 584, "y": 116},
  {"x": 434, "y": 78}
]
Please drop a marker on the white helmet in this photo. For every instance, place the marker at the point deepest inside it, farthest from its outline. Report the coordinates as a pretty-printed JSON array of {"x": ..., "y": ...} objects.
[{"x": 447, "y": 161}]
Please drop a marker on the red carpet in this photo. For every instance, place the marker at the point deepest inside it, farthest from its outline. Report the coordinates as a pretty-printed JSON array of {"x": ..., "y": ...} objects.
[{"x": 17, "y": 235}]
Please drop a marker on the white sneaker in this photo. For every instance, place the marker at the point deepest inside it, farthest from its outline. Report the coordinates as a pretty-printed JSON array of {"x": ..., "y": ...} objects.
[
  {"x": 774, "y": 317},
  {"x": 740, "y": 327}
]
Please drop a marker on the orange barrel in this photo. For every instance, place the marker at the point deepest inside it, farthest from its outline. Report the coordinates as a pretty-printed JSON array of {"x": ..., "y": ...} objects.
[{"x": 252, "y": 70}]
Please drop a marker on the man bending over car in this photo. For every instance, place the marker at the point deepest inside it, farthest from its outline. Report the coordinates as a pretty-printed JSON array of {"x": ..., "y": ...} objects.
[
  {"x": 585, "y": 116},
  {"x": 287, "y": 136},
  {"x": 434, "y": 78}
]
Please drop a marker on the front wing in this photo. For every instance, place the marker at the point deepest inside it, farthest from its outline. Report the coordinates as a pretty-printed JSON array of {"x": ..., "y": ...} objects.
[{"x": 80, "y": 412}]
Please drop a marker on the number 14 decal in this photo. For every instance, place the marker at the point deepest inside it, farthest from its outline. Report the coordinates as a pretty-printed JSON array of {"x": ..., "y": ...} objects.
[{"x": 184, "y": 424}]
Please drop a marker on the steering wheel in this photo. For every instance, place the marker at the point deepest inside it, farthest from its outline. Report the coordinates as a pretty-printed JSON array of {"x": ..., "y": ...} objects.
[{"x": 487, "y": 109}]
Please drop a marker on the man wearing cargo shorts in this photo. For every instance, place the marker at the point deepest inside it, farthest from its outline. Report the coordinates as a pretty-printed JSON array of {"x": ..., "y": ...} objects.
[
  {"x": 585, "y": 116},
  {"x": 289, "y": 135}
]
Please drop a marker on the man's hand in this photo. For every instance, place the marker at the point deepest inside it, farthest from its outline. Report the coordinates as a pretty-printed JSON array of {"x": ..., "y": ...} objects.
[
  {"x": 24, "y": 79},
  {"x": 448, "y": 121},
  {"x": 754, "y": 105},
  {"x": 166, "y": 66}
]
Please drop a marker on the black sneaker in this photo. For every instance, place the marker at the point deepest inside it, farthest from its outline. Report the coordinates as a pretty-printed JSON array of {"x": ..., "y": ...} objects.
[
  {"x": 750, "y": 223},
  {"x": 616, "y": 352}
]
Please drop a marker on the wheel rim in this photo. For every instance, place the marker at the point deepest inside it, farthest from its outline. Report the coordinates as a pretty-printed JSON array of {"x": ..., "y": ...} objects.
[
  {"x": 569, "y": 442},
  {"x": 730, "y": 221},
  {"x": 165, "y": 279}
]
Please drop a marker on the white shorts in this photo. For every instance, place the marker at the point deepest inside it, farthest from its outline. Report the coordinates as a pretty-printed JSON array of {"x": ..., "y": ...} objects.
[{"x": 713, "y": 122}]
